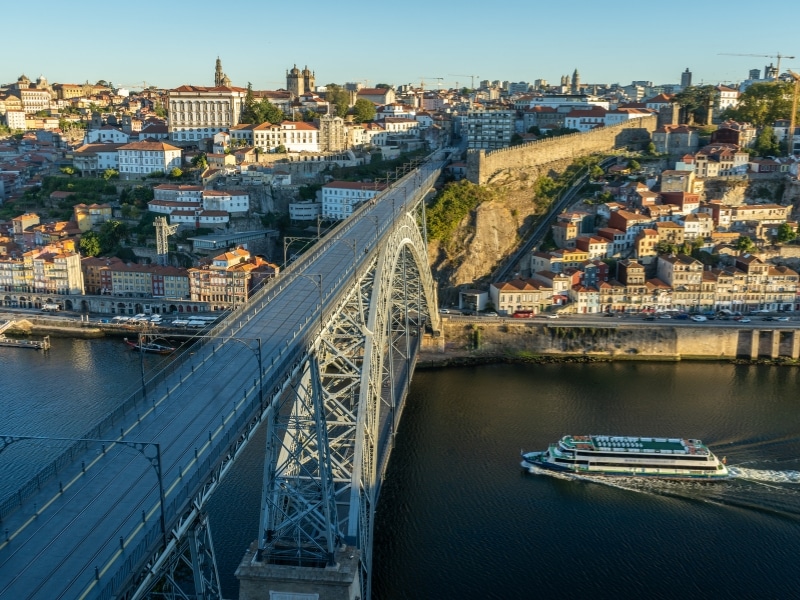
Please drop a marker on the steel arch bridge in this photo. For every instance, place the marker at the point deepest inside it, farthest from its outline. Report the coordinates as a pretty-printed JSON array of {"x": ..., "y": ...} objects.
[
  {"x": 335, "y": 339},
  {"x": 328, "y": 441}
]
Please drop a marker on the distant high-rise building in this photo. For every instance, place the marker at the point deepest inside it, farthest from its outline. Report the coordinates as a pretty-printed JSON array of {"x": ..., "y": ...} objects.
[
  {"x": 576, "y": 82},
  {"x": 686, "y": 78},
  {"x": 754, "y": 74},
  {"x": 771, "y": 72}
]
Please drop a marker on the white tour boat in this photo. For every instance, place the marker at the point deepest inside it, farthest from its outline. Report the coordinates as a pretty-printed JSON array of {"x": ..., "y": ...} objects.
[{"x": 670, "y": 458}]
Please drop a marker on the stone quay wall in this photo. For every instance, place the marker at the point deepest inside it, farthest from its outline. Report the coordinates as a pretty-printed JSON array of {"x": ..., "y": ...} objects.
[
  {"x": 483, "y": 166},
  {"x": 521, "y": 339}
]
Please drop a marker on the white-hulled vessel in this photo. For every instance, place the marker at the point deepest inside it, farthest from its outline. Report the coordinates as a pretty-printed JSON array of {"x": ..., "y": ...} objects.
[{"x": 670, "y": 458}]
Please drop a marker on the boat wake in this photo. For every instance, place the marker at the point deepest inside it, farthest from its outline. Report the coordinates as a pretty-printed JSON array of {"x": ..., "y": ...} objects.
[{"x": 765, "y": 475}]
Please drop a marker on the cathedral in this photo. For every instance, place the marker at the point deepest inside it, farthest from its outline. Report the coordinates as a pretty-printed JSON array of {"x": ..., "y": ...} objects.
[
  {"x": 299, "y": 82},
  {"x": 220, "y": 79}
]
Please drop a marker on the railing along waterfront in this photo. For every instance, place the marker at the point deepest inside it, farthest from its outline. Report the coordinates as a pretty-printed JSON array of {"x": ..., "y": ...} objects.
[{"x": 263, "y": 296}]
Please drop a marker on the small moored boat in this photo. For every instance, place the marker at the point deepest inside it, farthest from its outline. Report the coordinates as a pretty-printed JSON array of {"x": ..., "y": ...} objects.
[{"x": 153, "y": 347}]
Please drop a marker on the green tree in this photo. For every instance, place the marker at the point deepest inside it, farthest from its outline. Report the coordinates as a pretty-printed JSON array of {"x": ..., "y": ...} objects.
[
  {"x": 159, "y": 110},
  {"x": 383, "y": 86},
  {"x": 766, "y": 143},
  {"x": 534, "y": 130},
  {"x": 110, "y": 174},
  {"x": 634, "y": 165},
  {"x": 68, "y": 171},
  {"x": 744, "y": 245},
  {"x": 786, "y": 233},
  {"x": 650, "y": 149},
  {"x": 516, "y": 139},
  {"x": 90, "y": 244},
  {"x": 762, "y": 104},
  {"x": 596, "y": 172},
  {"x": 694, "y": 102},
  {"x": 665, "y": 248},
  {"x": 175, "y": 173},
  {"x": 339, "y": 98},
  {"x": 281, "y": 149},
  {"x": 200, "y": 161},
  {"x": 111, "y": 235},
  {"x": 363, "y": 110}
]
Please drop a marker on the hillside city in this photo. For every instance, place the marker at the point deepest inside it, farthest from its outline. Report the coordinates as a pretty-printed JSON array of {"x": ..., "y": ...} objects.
[{"x": 123, "y": 201}]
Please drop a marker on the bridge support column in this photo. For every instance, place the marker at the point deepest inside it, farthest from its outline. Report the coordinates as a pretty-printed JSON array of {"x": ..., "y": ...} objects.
[
  {"x": 337, "y": 582},
  {"x": 795, "y": 344},
  {"x": 754, "y": 340},
  {"x": 776, "y": 343}
]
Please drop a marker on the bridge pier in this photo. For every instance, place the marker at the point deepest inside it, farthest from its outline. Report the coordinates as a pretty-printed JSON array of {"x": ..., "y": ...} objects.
[{"x": 260, "y": 580}]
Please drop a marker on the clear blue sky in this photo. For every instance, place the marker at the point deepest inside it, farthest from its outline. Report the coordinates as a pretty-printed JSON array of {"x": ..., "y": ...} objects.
[{"x": 171, "y": 43}]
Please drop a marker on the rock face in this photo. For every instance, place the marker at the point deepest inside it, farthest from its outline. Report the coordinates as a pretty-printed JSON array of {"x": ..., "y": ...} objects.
[{"x": 490, "y": 233}]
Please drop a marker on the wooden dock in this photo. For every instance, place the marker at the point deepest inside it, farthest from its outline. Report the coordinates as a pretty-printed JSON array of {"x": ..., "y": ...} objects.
[{"x": 43, "y": 344}]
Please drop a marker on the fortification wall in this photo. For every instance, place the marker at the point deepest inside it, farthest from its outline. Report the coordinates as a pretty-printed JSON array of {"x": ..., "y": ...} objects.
[{"x": 483, "y": 166}]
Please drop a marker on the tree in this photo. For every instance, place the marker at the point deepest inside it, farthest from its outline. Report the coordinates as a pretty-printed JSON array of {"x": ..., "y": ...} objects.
[
  {"x": 634, "y": 165},
  {"x": 516, "y": 139},
  {"x": 766, "y": 143},
  {"x": 281, "y": 149},
  {"x": 596, "y": 173},
  {"x": 786, "y": 233},
  {"x": 110, "y": 174},
  {"x": 111, "y": 235},
  {"x": 200, "y": 161},
  {"x": 744, "y": 245},
  {"x": 363, "y": 110},
  {"x": 762, "y": 104},
  {"x": 175, "y": 173},
  {"x": 338, "y": 97},
  {"x": 383, "y": 86},
  {"x": 650, "y": 150},
  {"x": 695, "y": 102},
  {"x": 90, "y": 244},
  {"x": 534, "y": 130}
]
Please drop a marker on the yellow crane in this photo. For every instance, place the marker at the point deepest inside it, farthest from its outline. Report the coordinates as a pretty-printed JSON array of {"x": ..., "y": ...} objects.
[
  {"x": 793, "y": 116},
  {"x": 777, "y": 56}
]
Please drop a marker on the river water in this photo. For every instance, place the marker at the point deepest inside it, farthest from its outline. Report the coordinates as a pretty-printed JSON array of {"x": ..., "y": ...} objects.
[{"x": 459, "y": 519}]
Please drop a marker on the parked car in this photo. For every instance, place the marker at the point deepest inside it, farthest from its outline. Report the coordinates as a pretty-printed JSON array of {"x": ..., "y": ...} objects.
[
  {"x": 664, "y": 317},
  {"x": 444, "y": 311},
  {"x": 649, "y": 318},
  {"x": 682, "y": 317},
  {"x": 698, "y": 318},
  {"x": 782, "y": 319},
  {"x": 551, "y": 316},
  {"x": 491, "y": 313},
  {"x": 744, "y": 320}
]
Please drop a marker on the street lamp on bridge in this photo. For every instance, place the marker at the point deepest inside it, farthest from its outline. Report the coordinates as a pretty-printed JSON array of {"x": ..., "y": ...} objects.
[{"x": 141, "y": 447}]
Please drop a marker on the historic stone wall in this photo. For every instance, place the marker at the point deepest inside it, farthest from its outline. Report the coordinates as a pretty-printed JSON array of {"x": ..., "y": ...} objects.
[
  {"x": 483, "y": 166},
  {"x": 623, "y": 341}
]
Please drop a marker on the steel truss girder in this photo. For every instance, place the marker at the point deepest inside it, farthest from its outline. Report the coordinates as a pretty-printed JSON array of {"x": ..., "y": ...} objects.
[{"x": 324, "y": 438}]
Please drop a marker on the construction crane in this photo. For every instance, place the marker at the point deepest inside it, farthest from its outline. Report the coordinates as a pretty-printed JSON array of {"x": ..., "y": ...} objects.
[
  {"x": 134, "y": 86},
  {"x": 793, "y": 117},
  {"x": 422, "y": 82},
  {"x": 777, "y": 56},
  {"x": 472, "y": 78}
]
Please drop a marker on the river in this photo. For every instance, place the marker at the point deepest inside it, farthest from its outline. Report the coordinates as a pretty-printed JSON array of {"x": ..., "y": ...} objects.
[{"x": 459, "y": 519}]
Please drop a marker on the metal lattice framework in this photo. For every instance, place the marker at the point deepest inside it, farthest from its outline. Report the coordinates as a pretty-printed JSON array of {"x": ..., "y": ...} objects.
[{"x": 328, "y": 441}]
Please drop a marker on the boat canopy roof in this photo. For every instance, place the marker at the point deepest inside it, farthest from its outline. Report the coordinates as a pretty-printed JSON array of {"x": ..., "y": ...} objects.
[{"x": 618, "y": 443}]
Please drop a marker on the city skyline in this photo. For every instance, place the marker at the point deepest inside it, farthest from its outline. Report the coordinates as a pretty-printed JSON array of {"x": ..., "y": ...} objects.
[{"x": 431, "y": 42}]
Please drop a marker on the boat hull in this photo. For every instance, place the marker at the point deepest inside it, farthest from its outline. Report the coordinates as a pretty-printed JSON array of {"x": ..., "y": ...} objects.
[{"x": 529, "y": 462}]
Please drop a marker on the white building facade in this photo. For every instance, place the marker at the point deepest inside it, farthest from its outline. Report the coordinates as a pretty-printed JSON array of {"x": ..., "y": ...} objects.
[
  {"x": 143, "y": 158},
  {"x": 196, "y": 113},
  {"x": 339, "y": 198}
]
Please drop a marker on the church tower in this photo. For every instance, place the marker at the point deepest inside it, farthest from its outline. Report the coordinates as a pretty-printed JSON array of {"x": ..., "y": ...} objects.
[
  {"x": 294, "y": 82},
  {"x": 218, "y": 74},
  {"x": 308, "y": 80},
  {"x": 576, "y": 82}
]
